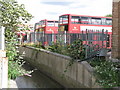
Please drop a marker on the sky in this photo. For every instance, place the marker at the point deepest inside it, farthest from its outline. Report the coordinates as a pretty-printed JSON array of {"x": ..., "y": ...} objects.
[{"x": 52, "y": 9}]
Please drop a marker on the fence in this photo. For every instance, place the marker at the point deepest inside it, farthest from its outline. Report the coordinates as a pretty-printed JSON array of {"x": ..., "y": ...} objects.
[{"x": 95, "y": 41}]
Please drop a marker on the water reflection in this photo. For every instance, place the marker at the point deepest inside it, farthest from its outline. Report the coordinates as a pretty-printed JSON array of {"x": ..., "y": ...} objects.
[{"x": 36, "y": 80}]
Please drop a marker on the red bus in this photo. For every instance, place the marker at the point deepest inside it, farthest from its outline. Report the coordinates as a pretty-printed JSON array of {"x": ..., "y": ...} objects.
[
  {"x": 76, "y": 23},
  {"x": 81, "y": 23},
  {"x": 47, "y": 26},
  {"x": 44, "y": 31}
]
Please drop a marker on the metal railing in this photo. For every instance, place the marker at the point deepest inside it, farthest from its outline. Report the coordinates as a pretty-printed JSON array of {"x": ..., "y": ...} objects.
[{"x": 95, "y": 41}]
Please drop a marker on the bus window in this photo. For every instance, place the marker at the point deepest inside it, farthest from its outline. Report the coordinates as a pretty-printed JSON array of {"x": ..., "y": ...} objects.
[
  {"x": 96, "y": 21},
  {"x": 60, "y": 20},
  {"x": 56, "y": 23},
  {"x": 75, "y": 20},
  {"x": 64, "y": 19},
  {"x": 108, "y": 41},
  {"x": 37, "y": 25},
  {"x": 108, "y": 21},
  {"x": 42, "y": 23},
  {"x": 103, "y": 21},
  {"x": 84, "y": 20},
  {"x": 50, "y": 23}
]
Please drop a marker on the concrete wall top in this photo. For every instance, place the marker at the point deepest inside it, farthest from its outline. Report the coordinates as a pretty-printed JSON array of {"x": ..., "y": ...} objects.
[{"x": 116, "y": 0}]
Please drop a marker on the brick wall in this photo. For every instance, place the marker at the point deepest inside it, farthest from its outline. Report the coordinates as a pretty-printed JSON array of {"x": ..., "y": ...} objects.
[{"x": 116, "y": 29}]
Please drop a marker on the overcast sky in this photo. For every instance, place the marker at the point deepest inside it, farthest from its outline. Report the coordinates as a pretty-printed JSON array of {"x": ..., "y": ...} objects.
[{"x": 52, "y": 9}]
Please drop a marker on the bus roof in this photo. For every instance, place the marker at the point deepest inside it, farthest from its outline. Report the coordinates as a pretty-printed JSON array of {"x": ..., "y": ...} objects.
[
  {"x": 86, "y": 16},
  {"x": 48, "y": 20}
]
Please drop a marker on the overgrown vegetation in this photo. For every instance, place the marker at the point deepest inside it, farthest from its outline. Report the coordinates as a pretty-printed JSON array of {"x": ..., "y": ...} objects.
[
  {"x": 58, "y": 48},
  {"x": 77, "y": 50},
  {"x": 105, "y": 71},
  {"x": 12, "y": 14}
]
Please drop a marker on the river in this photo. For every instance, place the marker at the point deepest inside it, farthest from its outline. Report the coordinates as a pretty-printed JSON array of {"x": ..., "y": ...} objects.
[{"x": 36, "y": 80}]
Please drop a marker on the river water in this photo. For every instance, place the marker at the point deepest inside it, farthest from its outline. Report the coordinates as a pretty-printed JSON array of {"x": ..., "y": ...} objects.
[{"x": 36, "y": 80}]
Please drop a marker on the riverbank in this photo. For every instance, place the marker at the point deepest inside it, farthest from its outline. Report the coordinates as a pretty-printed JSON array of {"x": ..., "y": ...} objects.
[{"x": 34, "y": 80}]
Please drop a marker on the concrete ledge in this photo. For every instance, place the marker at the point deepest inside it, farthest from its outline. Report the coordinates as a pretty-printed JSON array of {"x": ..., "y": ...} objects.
[
  {"x": 49, "y": 52},
  {"x": 79, "y": 75}
]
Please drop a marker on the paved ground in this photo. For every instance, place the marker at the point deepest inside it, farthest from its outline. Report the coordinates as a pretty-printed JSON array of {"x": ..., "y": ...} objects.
[{"x": 12, "y": 84}]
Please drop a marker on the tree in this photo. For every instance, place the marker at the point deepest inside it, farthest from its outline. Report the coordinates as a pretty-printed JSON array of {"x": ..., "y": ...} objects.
[
  {"x": 11, "y": 15},
  {"x": 108, "y": 15}
]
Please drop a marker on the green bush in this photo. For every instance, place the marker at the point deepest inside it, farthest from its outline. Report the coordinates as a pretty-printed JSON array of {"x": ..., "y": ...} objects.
[
  {"x": 58, "y": 48},
  {"x": 106, "y": 72},
  {"x": 14, "y": 70},
  {"x": 76, "y": 50},
  {"x": 12, "y": 14}
]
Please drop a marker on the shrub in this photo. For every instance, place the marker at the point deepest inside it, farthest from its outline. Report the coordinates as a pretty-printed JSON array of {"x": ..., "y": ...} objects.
[
  {"x": 106, "y": 72},
  {"x": 76, "y": 50}
]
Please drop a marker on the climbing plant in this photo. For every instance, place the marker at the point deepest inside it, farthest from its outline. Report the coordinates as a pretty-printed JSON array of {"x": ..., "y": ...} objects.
[
  {"x": 11, "y": 15},
  {"x": 76, "y": 51}
]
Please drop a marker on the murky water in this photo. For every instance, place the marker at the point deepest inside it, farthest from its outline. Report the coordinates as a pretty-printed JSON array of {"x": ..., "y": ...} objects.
[{"x": 36, "y": 80}]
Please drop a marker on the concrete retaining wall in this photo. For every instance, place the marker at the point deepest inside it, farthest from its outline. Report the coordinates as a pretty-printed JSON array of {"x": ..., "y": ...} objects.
[{"x": 79, "y": 75}]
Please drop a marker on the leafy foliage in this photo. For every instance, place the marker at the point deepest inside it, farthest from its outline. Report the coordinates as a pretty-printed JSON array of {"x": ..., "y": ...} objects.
[
  {"x": 12, "y": 14},
  {"x": 109, "y": 15},
  {"x": 106, "y": 72},
  {"x": 57, "y": 47},
  {"x": 36, "y": 45},
  {"x": 77, "y": 50}
]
